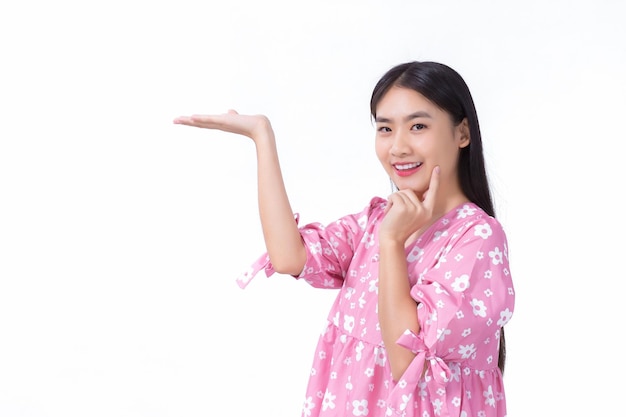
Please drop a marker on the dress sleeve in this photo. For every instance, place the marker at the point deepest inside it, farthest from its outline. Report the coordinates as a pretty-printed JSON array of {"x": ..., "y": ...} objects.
[
  {"x": 330, "y": 249},
  {"x": 464, "y": 300},
  {"x": 467, "y": 296}
]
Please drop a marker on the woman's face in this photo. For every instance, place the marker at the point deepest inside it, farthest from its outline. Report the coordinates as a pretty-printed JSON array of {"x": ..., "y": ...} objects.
[{"x": 413, "y": 136}]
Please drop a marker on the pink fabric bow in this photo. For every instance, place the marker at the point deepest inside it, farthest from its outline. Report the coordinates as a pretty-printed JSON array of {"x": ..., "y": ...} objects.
[{"x": 402, "y": 393}]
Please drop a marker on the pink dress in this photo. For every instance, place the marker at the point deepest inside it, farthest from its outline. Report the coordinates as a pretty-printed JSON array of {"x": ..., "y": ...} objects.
[{"x": 460, "y": 278}]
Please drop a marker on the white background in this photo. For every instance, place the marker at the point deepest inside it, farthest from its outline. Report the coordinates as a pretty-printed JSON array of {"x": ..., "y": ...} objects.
[{"x": 121, "y": 234}]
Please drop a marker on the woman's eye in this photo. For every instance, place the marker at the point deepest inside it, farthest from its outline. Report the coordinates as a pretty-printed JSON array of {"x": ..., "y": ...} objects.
[
  {"x": 418, "y": 126},
  {"x": 384, "y": 129}
]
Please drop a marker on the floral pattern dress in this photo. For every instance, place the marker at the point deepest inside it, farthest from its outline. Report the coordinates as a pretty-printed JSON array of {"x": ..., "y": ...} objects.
[{"x": 460, "y": 279}]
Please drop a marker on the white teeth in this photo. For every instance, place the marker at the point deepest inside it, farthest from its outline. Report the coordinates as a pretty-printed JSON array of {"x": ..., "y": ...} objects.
[{"x": 408, "y": 166}]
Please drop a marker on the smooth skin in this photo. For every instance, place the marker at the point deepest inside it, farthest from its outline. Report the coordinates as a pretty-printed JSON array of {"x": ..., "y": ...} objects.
[{"x": 409, "y": 129}]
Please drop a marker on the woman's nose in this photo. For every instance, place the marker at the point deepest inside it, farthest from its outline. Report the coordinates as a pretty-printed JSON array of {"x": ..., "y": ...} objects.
[{"x": 400, "y": 145}]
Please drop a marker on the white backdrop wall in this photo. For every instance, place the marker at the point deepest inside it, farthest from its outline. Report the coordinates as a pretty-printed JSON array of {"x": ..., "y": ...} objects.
[{"x": 121, "y": 234}]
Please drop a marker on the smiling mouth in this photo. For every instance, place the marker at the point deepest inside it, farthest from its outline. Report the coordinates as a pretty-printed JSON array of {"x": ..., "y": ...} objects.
[
  {"x": 404, "y": 170},
  {"x": 407, "y": 167}
]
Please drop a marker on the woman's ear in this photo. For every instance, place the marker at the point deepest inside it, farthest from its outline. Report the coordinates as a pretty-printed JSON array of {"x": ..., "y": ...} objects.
[{"x": 463, "y": 133}]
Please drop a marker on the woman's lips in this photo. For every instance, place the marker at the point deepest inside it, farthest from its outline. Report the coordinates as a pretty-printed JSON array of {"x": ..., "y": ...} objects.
[{"x": 404, "y": 170}]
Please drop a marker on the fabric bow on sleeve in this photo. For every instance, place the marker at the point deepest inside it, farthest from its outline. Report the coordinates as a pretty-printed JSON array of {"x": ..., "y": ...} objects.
[
  {"x": 263, "y": 263},
  {"x": 401, "y": 397}
]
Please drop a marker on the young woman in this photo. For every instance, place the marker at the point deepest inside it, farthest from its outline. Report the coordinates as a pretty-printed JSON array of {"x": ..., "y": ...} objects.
[{"x": 423, "y": 276}]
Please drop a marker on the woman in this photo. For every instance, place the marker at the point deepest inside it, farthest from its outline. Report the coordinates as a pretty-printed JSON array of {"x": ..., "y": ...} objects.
[{"x": 423, "y": 276}]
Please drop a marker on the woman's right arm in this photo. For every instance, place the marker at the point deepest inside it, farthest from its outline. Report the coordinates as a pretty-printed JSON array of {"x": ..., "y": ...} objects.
[{"x": 280, "y": 231}]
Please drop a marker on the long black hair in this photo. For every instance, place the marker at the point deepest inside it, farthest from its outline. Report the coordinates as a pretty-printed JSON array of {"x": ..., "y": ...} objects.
[{"x": 446, "y": 88}]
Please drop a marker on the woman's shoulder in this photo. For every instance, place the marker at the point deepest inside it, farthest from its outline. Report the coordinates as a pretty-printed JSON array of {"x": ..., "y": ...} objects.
[{"x": 470, "y": 216}]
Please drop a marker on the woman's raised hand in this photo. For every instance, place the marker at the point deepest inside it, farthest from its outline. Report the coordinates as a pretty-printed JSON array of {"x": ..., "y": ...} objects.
[
  {"x": 233, "y": 122},
  {"x": 406, "y": 214}
]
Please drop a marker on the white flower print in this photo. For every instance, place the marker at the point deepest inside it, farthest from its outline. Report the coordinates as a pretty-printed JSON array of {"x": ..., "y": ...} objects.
[
  {"x": 415, "y": 254},
  {"x": 488, "y": 274},
  {"x": 483, "y": 230},
  {"x": 455, "y": 372},
  {"x": 308, "y": 406},
  {"x": 405, "y": 401},
  {"x": 456, "y": 401},
  {"x": 439, "y": 289},
  {"x": 246, "y": 276},
  {"x": 369, "y": 372},
  {"x": 368, "y": 240},
  {"x": 465, "y": 211},
  {"x": 362, "y": 222},
  {"x": 466, "y": 350},
  {"x": 437, "y": 405},
  {"x": 362, "y": 301},
  {"x": 359, "y": 350},
  {"x": 489, "y": 398},
  {"x": 442, "y": 333},
  {"x": 422, "y": 389},
  {"x": 374, "y": 286},
  {"x": 480, "y": 255},
  {"x": 380, "y": 403},
  {"x": 349, "y": 384},
  {"x": 479, "y": 307},
  {"x": 496, "y": 256},
  {"x": 488, "y": 293},
  {"x": 439, "y": 234},
  {"x": 458, "y": 257},
  {"x": 333, "y": 375},
  {"x": 461, "y": 283},
  {"x": 433, "y": 316},
  {"x": 315, "y": 247},
  {"x": 360, "y": 408},
  {"x": 380, "y": 358},
  {"x": 322, "y": 354},
  {"x": 349, "y": 291},
  {"x": 466, "y": 332},
  {"x": 328, "y": 401},
  {"x": 348, "y": 323},
  {"x": 505, "y": 316}
]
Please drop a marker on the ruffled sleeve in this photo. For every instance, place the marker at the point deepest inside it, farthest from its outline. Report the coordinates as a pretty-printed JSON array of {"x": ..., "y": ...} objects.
[
  {"x": 330, "y": 248},
  {"x": 464, "y": 298}
]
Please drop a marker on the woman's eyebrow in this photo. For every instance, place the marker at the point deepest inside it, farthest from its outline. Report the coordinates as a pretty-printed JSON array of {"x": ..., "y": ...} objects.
[{"x": 411, "y": 116}]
